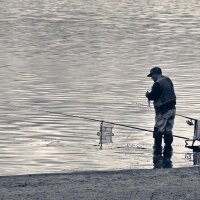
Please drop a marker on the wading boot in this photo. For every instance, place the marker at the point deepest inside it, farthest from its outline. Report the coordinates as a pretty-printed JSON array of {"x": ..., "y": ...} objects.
[
  {"x": 157, "y": 161},
  {"x": 167, "y": 163}
]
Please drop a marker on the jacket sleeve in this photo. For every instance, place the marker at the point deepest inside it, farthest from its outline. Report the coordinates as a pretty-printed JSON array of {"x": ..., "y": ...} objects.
[{"x": 155, "y": 92}]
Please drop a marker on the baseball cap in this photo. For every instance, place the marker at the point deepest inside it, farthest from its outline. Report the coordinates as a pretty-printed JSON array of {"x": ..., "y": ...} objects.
[{"x": 154, "y": 70}]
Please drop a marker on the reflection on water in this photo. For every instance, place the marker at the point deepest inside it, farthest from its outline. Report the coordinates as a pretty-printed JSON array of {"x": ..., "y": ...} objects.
[{"x": 90, "y": 58}]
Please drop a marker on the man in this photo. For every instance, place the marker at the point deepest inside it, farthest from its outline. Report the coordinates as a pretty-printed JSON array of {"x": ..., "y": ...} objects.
[{"x": 164, "y": 100}]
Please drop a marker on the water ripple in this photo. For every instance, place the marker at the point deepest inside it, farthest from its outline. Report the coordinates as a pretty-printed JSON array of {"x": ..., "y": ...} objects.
[{"x": 91, "y": 58}]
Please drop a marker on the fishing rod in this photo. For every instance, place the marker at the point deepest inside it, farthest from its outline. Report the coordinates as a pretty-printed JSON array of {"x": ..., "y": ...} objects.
[
  {"x": 186, "y": 117},
  {"x": 113, "y": 123},
  {"x": 98, "y": 120}
]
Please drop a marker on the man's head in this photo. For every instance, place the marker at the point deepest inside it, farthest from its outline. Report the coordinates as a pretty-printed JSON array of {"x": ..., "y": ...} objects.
[{"x": 155, "y": 72}]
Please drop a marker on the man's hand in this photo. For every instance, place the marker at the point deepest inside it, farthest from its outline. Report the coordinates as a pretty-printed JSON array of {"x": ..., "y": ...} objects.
[{"x": 146, "y": 94}]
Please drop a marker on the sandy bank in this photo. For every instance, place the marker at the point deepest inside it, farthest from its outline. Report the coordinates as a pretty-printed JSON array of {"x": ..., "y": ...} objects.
[{"x": 177, "y": 184}]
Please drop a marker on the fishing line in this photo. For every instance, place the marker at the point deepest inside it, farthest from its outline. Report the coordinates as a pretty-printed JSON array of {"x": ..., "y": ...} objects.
[{"x": 145, "y": 106}]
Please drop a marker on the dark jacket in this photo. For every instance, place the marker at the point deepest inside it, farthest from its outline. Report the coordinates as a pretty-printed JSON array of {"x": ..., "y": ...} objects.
[{"x": 163, "y": 95}]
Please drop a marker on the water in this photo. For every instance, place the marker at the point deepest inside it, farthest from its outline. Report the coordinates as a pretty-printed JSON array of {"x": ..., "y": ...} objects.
[{"x": 91, "y": 58}]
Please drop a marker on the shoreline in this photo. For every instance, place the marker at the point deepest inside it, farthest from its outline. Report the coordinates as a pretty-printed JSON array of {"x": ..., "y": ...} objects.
[{"x": 136, "y": 184}]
